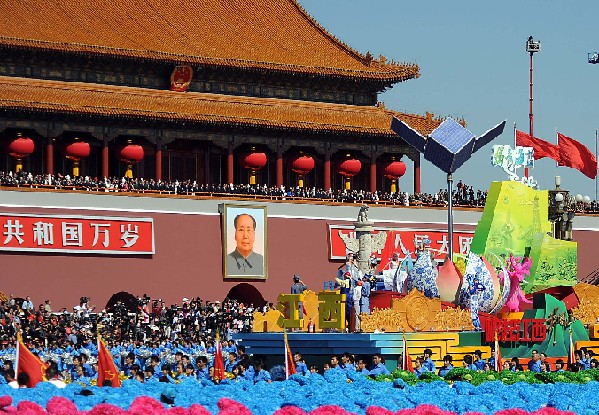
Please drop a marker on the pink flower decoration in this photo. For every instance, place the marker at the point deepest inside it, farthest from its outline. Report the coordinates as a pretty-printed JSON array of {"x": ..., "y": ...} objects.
[
  {"x": 228, "y": 406},
  {"x": 196, "y": 409},
  {"x": 290, "y": 410},
  {"x": 329, "y": 410},
  {"x": 58, "y": 405},
  {"x": 426, "y": 409},
  {"x": 512, "y": 411},
  {"x": 474, "y": 413},
  {"x": 30, "y": 408},
  {"x": 178, "y": 410},
  {"x": 106, "y": 409},
  {"x": 377, "y": 410},
  {"x": 5, "y": 401},
  {"x": 144, "y": 405},
  {"x": 551, "y": 411}
]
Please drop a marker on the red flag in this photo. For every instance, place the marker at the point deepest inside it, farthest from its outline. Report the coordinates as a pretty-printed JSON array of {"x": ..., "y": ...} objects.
[
  {"x": 541, "y": 147},
  {"x": 387, "y": 251},
  {"x": 498, "y": 364},
  {"x": 571, "y": 357},
  {"x": 289, "y": 363},
  {"x": 577, "y": 156},
  {"x": 106, "y": 368},
  {"x": 29, "y": 363},
  {"x": 406, "y": 363},
  {"x": 219, "y": 363}
]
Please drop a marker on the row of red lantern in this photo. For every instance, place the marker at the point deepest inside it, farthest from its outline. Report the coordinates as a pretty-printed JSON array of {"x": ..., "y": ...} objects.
[
  {"x": 303, "y": 164},
  {"x": 76, "y": 150},
  {"x": 21, "y": 147}
]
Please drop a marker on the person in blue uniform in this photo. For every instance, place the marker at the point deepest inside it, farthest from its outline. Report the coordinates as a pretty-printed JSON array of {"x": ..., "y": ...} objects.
[
  {"x": 361, "y": 367},
  {"x": 534, "y": 364},
  {"x": 365, "y": 299},
  {"x": 299, "y": 287},
  {"x": 378, "y": 365},
  {"x": 468, "y": 363},
  {"x": 447, "y": 366},
  {"x": 202, "y": 363},
  {"x": 479, "y": 362},
  {"x": 300, "y": 365},
  {"x": 419, "y": 367},
  {"x": 261, "y": 374},
  {"x": 429, "y": 364}
]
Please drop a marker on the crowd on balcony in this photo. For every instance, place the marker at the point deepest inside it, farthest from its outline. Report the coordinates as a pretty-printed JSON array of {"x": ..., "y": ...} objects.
[{"x": 464, "y": 195}]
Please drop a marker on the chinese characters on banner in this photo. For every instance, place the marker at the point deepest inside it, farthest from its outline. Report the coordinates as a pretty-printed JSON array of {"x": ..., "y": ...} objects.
[
  {"x": 403, "y": 241},
  {"x": 76, "y": 234},
  {"x": 525, "y": 330}
]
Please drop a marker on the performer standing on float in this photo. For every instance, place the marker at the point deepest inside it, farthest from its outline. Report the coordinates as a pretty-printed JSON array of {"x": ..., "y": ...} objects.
[
  {"x": 347, "y": 277},
  {"x": 357, "y": 297},
  {"x": 299, "y": 287}
]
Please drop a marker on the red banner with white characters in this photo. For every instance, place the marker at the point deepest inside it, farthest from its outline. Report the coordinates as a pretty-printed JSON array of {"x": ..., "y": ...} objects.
[
  {"x": 76, "y": 234},
  {"x": 403, "y": 240}
]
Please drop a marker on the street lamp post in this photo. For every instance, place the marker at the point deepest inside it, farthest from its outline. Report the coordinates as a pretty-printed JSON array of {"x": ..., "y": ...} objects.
[
  {"x": 562, "y": 209},
  {"x": 532, "y": 47}
]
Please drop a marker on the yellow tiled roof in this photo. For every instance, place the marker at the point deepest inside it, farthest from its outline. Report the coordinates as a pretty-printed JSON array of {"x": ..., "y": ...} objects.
[
  {"x": 275, "y": 35},
  {"x": 78, "y": 98}
]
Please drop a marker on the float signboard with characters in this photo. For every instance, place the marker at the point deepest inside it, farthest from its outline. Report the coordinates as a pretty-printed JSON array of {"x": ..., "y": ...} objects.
[{"x": 515, "y": 221}]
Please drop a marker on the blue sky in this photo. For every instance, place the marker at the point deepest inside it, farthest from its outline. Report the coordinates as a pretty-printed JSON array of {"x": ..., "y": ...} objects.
[{"x": 473, "y": 64}]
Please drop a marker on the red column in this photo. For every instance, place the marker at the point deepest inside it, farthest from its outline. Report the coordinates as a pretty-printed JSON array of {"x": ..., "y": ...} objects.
[
  {"x": 158, "y": 161},
  {"x": 230, "y": 165},
  {"x": 417, "y": 174},
  {"x": 50, "y": 157},
  {"x": 105, "y": 158},
  {"x": 372, "y": 172},
  {"x": 279, "y": 166},
  {"x": 207, "y": 174},
  {"x": 327, "y": 168}
]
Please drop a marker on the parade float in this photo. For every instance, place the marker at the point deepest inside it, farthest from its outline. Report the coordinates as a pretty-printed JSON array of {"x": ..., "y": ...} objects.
[
  {"x": 514, "y": 290},
  {"x": 485, "y": 298}
]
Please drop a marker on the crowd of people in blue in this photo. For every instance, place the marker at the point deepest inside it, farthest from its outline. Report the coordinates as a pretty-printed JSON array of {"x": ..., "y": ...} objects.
[{"x": 163, "y": 351}]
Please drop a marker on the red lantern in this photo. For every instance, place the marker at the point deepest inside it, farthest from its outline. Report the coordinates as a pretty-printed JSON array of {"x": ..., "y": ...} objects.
[
  {"x": 253, "y": 160},
  {"x": 20, "y": 147},
  {"x": 349, "y": 167},
  {"x": 131, "y": 153},
  {"x": 77, "y": 150},
  {"x": 394, "y": 169},
  {"x": 302, "y": 164}
]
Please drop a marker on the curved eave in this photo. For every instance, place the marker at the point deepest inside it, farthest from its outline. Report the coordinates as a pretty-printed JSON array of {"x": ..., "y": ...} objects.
[
  {"x": 203, "y": 120},
  {"x": 389, "y": 74},
  {"x": 70, "y": 99}
]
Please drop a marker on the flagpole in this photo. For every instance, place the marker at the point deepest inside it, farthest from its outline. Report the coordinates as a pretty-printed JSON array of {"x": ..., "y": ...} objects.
[
  {"x": 596, "y": 158},
  {"x": 516, "y": 144},
  {"x": 285, "y": 353},
  {"x": 557, "y": 144},
  {"x": 17, "y": 355}
]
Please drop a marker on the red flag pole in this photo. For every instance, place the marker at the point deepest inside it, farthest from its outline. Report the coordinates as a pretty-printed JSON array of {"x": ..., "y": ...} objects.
[{"x": 596, "y": 158}]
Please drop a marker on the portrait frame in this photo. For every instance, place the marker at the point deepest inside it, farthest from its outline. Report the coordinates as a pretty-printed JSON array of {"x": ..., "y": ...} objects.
[{"x": 237, "y": 263}]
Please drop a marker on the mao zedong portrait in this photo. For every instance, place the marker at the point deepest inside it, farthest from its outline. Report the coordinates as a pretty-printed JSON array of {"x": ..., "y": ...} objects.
[{"x": 243, "y": 260}]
